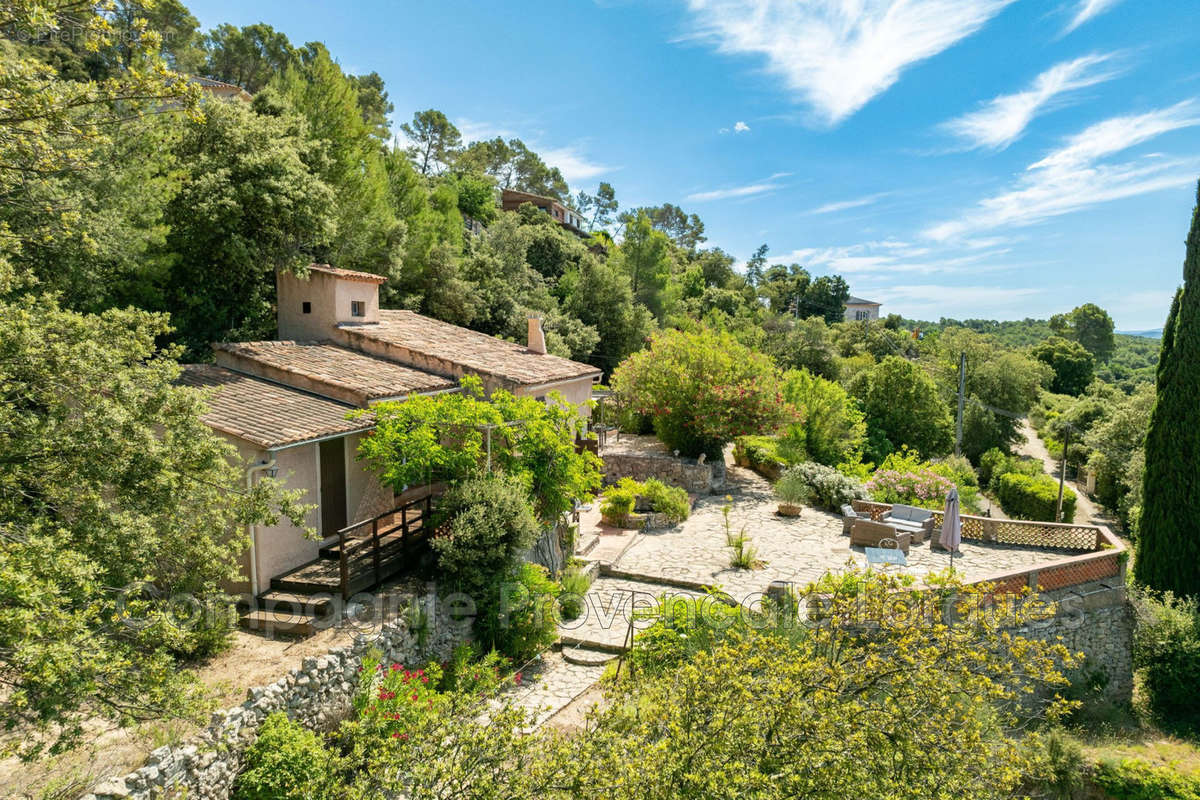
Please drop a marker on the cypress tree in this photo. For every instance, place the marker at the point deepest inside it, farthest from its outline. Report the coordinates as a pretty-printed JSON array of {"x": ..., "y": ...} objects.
[{"x": 1168, "y": 552}]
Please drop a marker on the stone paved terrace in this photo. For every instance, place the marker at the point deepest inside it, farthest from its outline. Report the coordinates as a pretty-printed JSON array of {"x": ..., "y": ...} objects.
[{"x": 796, "y": 550}]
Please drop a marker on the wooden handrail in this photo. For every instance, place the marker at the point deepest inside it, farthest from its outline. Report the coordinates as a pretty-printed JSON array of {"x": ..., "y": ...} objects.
[{"x": 348, "y": 544}]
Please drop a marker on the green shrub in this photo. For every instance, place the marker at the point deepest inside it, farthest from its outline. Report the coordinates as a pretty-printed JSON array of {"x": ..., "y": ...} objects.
[
  {"x": 831, "y": 489},
  {"x": 617, "y": 503},
  {"x": 287, "y": 762},
  {"x": 524, "y": 621},
  {"x": 1035, "y": 498},
  {"x": 996, "y": 463},
  {"x": 669, "y": 500},
  {"x": 575, "y": 585},
  {"x": 1058, "y": 766},
  {"x": 702, "y": 389},
  {"x": 683, "y": 627},
  {"x": 1136, "y": 779},
  {"x": 763, "y": 454},
  {"x": 622, "y": 499},
  {"x": 1167, "y": 651},
  {"x": 486, "y": 524}
]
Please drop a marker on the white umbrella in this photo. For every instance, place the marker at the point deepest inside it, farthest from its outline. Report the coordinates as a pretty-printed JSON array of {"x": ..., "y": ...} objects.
[{"x": 951, "y": 536}]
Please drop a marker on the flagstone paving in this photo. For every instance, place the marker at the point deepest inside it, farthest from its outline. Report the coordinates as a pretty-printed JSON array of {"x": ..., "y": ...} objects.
[
  {"x": 551, "y": 684},
  {"x": 792, "y": 549}
]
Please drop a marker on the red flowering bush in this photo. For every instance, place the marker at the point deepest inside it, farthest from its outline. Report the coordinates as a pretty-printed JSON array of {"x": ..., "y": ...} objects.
[
  {"x": 702, "y": 390},
  {"x": 395, "y": 701}
]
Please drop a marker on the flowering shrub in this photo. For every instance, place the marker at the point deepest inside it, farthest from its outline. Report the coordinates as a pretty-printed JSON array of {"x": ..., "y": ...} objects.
[
  {"x": 830, "y": 488},
  {"x": 701, "y": 390},
  {"x": 905, "y": 478},
  {"x": 921, "y": 487}
]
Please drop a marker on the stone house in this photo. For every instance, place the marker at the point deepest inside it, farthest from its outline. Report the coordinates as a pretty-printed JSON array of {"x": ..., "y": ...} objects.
[{"x": 285, "y": 404}]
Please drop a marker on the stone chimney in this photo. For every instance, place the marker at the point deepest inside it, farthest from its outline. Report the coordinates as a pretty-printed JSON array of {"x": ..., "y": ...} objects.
[{"x": 537, "y": 339}]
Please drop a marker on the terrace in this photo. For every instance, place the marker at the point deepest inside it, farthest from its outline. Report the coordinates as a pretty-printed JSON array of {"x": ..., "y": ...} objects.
[{"x": 799, "y": 550}]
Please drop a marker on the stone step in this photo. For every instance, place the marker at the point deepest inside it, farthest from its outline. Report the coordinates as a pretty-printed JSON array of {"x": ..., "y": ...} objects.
[{"x": 587, "y": 657}]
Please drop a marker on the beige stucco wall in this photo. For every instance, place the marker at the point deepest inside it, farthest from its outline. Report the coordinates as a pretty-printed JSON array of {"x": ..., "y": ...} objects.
[
  {"x": 576, "y": 392},
  {"x": 852, "y": 312},
  {"x": 284, "y": 546},
  {"x": 330, "y": 298},
  {"x": 365, "y": 495}
]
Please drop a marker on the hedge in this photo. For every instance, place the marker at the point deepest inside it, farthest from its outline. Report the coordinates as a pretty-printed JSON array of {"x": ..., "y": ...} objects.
[
  {"x": 759, "y": 453},
  {"x": 1033, "y": 497},
  {"x": 1135, "y": 779}
]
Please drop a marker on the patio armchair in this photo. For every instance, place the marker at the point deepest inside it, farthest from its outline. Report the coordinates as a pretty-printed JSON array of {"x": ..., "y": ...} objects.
[
  {"x": 865, "y": 533},
  {"x": 910, "y": 519},
  {"x": 849, "y": 515}
]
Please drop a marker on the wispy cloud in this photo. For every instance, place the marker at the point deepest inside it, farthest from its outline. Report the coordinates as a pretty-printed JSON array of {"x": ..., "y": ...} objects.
[
  {"x": 1086, "y": 10},
  {"x": 843, "y": 205},
  {"x": 574, "y": 164},
  {"x": 1077, "y": 175},
  {"x": 749, "y": 190},
  {"x": 836, "y": 55},
  {"x": 740, "y": 127},
  {"x": 736, "y": 191},
  {"x": 476, "y": 131},
  {"x": 1002, "y": 120}
]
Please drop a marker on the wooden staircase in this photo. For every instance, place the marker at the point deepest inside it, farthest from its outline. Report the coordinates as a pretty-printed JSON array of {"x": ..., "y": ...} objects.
[{"x": 312, "y": 596}]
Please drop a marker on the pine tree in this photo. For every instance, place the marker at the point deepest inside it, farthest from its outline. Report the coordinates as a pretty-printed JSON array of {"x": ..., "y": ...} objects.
[{"x": 1168, "y": 554}]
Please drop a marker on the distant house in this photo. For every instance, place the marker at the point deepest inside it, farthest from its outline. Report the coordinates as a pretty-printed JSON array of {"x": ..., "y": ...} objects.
[
  {"x": 569, "y": 218},
  {"x": 284, "y": 403},
  {"x": 221, "y": 90},
  {"x": 858, "y": 309}
]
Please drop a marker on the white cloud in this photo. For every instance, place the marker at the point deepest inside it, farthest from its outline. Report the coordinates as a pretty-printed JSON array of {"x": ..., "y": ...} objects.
[
  {"x": 1002, "y": 120},
  {"x": 574, "y": 165},
  {"x": 843, "y": 205},
  {"x": 1075, "y": 176},
  {"x": 1086, "y": 10},
  {"x": 932, "y": 301},
  {"x": 475, "y": 131},
  {"x": 838, "y": 54},
  {"x": 736, "y": 191},
  {"x": 740, "y": 127}
]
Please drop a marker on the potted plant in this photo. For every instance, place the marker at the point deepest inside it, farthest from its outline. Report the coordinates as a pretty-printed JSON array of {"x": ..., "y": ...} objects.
[{"x": 793, "y": 493}]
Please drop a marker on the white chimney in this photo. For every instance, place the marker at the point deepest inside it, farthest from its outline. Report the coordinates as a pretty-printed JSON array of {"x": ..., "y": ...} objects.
[{"x": 537, "y": 339}]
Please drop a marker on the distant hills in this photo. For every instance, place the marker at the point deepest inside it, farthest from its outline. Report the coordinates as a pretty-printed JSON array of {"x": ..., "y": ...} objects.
[{"x": 1154, "y": 334}]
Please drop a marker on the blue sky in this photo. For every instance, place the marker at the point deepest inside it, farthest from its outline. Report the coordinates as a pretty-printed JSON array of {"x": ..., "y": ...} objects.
[{"x": 961, "y": 158}]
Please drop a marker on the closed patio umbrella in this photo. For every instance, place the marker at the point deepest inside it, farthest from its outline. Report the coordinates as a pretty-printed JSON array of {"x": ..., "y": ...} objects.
[{"x": 951, "y": 536}]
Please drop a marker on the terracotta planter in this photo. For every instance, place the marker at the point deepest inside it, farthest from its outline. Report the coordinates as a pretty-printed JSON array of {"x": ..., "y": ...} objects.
[{"x": 790, "y": 509}]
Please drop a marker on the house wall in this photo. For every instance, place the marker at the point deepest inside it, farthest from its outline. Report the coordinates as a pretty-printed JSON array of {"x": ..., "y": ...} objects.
[
  {"x": 366, "y": 497},
  {"x": 330, "y": 298},
  {"x": 577, "y": 392},
  {"x": 852, "y": 312},
  {"x": 283, "y": 546}
]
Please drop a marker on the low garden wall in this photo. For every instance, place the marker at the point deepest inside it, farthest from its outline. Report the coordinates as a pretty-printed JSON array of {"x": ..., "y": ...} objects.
[
  {"x": 644, "y": 457},
  {"x": 318, "y": 695}
]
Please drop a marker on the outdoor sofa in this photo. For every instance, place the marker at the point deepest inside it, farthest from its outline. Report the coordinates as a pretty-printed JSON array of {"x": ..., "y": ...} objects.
[{"x": 910, "y": 519}]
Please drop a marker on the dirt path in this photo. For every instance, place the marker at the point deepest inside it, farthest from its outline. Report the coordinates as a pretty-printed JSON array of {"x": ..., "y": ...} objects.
[{"x": 1087, "y": 512}]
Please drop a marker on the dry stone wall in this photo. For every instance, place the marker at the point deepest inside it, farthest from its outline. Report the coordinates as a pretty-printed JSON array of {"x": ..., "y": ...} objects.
[{"x": 318, "y": 695}]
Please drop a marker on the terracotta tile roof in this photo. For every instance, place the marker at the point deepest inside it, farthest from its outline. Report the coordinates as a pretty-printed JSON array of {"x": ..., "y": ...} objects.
[
  {"x": 477, "y": 352},
  {"x": 265, "y": 413},
  {"x": 353, "y": 376},
  {"x": 348, "y": 274}
]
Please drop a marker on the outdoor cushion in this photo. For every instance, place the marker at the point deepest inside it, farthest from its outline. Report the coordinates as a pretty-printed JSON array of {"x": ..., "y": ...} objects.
[
  {"x": 911, "y": 513},
  {"x": 848, "y": 511}
]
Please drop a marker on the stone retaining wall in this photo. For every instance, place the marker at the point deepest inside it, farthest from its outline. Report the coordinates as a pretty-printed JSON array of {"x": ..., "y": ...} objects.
[
  {"x": 643, "y": 457},
  {"x": 317, "y": 695},
  {"x": 1097, "y": 620}
]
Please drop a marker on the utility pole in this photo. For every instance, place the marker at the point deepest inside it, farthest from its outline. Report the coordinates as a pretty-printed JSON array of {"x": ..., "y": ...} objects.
[
  {"x": 1062, "y": 473},
  {"x": 962, "y": 398}
]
